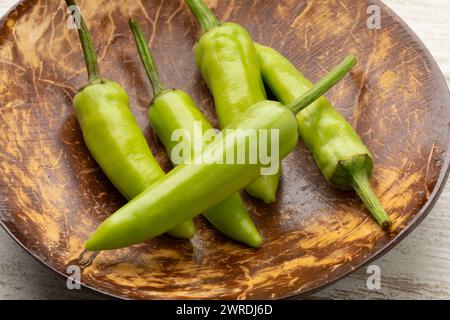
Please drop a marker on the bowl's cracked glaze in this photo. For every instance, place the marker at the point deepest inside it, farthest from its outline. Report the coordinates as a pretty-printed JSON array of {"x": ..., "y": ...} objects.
[{"x": 53, "y": 194}]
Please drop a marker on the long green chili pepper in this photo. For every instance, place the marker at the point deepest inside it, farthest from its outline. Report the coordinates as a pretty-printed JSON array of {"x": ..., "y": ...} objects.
[
  {"x": 173, "y": 110},
  {"x": 193, "y": 188},
  {"x": 339, "y": 152},
  {"x": 226, "y": 57},
  {"x": 112, "y": 134}
]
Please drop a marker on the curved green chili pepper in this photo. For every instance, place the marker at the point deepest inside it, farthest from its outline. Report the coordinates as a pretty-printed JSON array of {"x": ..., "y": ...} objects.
[
  {"x": 226, "y": 57},
  {"x": 173, "y": 110},
  {"x": 112, "y": 134},
  {"x": 193, "y": 188},
  {"x": 339, "y": 152}
]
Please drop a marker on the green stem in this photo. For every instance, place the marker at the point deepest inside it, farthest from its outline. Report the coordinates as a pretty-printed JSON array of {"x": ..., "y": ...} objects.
[
  {"x": 147, "y": 58},
  {"x": 361, "y": 184},
  {"x": 203, "y": 14},
  {"x": 90, "y": 55},
  {"x": 324, "y": 84}
]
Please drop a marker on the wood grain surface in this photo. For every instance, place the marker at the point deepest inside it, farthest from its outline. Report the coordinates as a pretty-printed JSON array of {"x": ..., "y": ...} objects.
[{"x": 349, "y": 112}]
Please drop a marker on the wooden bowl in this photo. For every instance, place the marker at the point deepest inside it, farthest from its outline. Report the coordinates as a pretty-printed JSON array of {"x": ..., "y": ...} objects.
[{"x": 53, "y": 194}]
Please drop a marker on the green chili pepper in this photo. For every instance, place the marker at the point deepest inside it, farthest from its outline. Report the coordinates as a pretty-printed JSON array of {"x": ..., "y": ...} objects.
[
  {"x": 226, "y": 57},
  {"x": 193, "y": 188},
  {"x": 112, "y": 134},
  {"x": 339, "y": 152},
  {"x": 173, "y": 110}
]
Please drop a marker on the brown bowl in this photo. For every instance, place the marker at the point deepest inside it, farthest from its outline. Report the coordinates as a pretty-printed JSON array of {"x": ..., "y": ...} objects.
[{"x": 53, "y": 195}]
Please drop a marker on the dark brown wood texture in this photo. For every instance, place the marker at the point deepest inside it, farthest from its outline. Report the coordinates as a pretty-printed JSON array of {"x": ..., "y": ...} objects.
[{"x": 53, "y": 195}]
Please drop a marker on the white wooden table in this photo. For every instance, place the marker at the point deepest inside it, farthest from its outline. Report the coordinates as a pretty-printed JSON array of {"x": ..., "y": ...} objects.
[{"x": 419, "y": 267}]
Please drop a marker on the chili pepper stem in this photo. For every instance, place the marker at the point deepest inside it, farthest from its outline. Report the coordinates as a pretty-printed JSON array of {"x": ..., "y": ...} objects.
[
  {"x": 203, "y": 14},
  {"x": 362, "y": 186},
  {"x": 147, "y": 58},
  {"x": 360, "y": 181},
  {"x": 87, "y": 44},
  {"x": 324, "y": 84}
]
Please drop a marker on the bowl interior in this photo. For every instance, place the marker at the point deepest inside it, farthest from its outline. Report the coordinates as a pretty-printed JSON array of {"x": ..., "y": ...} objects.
[{"x": 53, "y": 195}]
